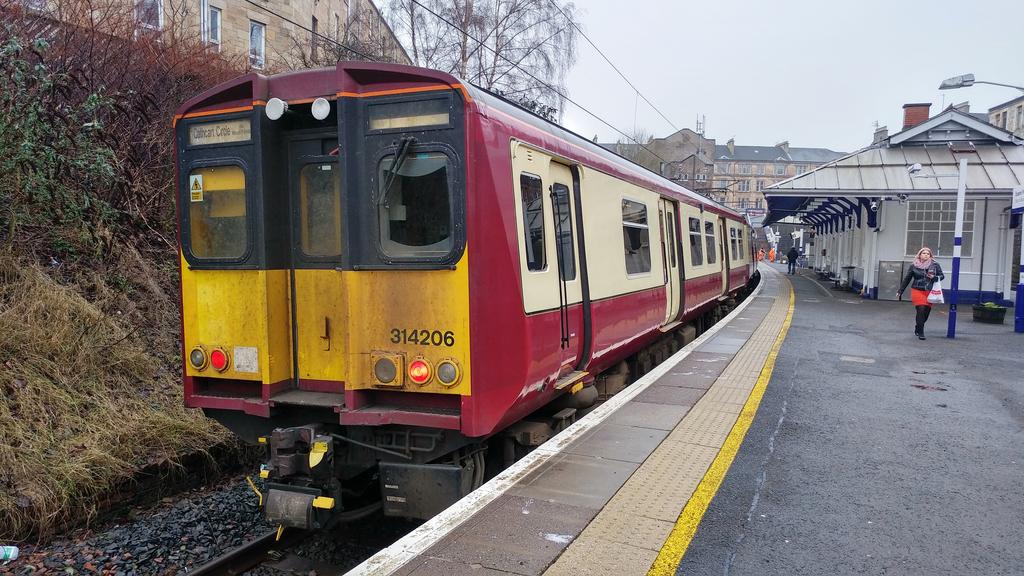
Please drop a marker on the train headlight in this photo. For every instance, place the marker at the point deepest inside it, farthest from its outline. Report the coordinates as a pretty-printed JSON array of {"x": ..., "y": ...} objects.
[
  {"x": 419, "y": 371},
  {"x": 448, "y": 373},
  {"x": 385, "y": 371},
  {"x": 197, "y": 358},
  {"x": 275, "y": 108},
  {"x": 321, "y": 108},
  {"x": 219, "y": 359}
]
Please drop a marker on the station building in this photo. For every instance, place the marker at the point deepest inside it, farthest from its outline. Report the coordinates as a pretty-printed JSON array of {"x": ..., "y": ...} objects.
[{"x": 869, "y": 215}]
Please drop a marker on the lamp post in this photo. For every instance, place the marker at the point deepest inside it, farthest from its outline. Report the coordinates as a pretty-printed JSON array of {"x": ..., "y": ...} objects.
[
  {"x": 1017, "y": 207},
  {"x": 958, "y": 234}
]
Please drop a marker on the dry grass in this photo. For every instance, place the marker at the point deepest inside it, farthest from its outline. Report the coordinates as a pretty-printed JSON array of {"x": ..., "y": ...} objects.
[{"x": 84, "y": 404}]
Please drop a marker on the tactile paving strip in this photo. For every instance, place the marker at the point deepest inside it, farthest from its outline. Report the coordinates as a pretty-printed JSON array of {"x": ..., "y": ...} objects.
[{"x": 623, "y": 536}]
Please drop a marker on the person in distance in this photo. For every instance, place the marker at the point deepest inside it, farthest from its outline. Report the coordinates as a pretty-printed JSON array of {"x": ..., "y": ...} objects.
[
  {"x": 921, "y": 275},
  {"x": 791, "y": 257}
]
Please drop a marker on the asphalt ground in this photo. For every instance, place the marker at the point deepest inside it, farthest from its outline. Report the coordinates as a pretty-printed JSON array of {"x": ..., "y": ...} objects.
[{"x": 874, "y": 452}]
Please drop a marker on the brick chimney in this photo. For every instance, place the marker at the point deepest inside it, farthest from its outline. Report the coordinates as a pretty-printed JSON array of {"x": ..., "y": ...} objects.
[
  {"x": 914, "y": 114},
  {"x": 731, "y": 145}
]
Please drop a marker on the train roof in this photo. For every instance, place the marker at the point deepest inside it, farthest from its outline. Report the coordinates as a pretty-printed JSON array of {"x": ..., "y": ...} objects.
[{"x": 368, "y": 78}]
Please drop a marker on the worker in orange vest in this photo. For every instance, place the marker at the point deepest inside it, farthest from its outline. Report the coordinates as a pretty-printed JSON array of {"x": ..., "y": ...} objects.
[{"x": 771, "y": 255}]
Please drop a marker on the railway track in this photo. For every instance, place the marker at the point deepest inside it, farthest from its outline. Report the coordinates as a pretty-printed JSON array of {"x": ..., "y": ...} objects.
[{"x": 251, "y": 554}]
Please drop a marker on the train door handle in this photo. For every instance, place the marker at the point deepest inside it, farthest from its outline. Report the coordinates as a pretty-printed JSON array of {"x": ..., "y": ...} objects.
[{"x": 325, "y": 337}]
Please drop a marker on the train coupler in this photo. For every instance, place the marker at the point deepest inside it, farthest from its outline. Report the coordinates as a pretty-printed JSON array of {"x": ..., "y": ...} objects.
[{"x": 301, "y": 489}]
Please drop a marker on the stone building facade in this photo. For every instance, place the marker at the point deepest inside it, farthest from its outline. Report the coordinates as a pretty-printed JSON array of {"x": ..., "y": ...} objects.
[
  {"x": 269, "y": 35},
  {"x": 741, "y": 172},
  {"x": 683, "y": 157},
  {"x": 1009, "y": 116}
]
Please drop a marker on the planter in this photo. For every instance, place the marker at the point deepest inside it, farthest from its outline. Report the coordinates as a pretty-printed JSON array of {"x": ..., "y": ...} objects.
[{"x": 989, "y": 315}]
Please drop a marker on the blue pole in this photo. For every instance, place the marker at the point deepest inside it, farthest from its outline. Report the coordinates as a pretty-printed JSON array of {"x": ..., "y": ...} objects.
[
  {"x": 958, "y": 238},
  {"x": 1018, "y": 307}
]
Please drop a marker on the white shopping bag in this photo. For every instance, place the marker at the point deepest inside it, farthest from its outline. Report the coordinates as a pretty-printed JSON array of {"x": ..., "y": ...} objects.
[{"x": 935, "y": 295}]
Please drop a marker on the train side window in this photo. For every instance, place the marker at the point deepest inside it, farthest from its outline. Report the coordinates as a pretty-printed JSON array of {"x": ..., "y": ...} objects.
[
  {"x": 218, "y": 227},
  {"x": 636, "y": 237},
  {"x": 671, "y": 237},
  {"x": 709, "y": 237},
  {"x": 320, "y": 209},
  {"x": 696, "y": 243},
  {"x": 563, "y": 231},
  {"x": 739, "y": 243},
  {"x": 533, "y": 221},
  {"x": 732, "y": 243},
  {"x": 414, "y": 209}
]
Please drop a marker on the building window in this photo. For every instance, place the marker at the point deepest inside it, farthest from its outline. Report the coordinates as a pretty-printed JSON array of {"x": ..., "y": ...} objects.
[
  {"x": 257, "y": 44},
  {"x": 760, "y": 185},
  {"x": 636, "y": 237},
  {"x": 800, "y": 168},
  {"x": 931, "y": 223},
  {"x": 696, "y": 243},
  {"x": 701, "y": 177},
  {"x": 758, "y": 203},
  {"x": 744, "y": 186},
  {"x": 760, "y": 169},
  {"x": 744, "y": 168},
  {"x": 337, "y": 26},
  {"x": 533, "y": 221},
  {"x": 709, "y": 238},
  {"x": 215, "y": 27},
  {"x": 149, "y": 14},
  {"x": 684, "y": 176},
  {"x": 780, "y": 169},
  {"x": 1020, "y": 117}
]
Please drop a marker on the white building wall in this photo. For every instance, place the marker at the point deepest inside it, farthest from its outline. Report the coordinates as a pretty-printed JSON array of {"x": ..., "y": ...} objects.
[{"x": 993, "y": 270}]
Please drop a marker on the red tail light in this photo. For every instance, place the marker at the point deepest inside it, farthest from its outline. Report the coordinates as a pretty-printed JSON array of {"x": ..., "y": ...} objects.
[
  {"x": 219, "y": 360},
  {"x": 419, "y": 371}
]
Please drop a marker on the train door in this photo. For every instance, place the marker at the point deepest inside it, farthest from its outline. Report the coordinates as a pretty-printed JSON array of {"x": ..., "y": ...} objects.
[
  {"x": 672, "y": 258},
  {"x": 318, "y": 306},
  {"x": 723, "y": 249},
  {"x": 546, "y": 221},
  {"x": 563, "y": 214}
]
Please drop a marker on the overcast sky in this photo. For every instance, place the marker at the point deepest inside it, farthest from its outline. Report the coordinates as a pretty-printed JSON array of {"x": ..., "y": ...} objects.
[{"x": 815, "y": 73}]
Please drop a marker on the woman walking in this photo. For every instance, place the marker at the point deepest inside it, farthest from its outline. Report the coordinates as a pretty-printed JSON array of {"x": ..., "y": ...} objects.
[{"x": 922, "y": 274}]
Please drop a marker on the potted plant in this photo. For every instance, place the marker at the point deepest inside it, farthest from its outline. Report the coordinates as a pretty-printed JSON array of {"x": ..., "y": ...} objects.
[{"x": 989, "y": 313}]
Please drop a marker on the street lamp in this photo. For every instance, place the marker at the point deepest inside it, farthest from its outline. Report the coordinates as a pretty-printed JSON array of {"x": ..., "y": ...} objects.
[
  {"x": 958, "y": 234},
  {"x": 966, "y": 80}
]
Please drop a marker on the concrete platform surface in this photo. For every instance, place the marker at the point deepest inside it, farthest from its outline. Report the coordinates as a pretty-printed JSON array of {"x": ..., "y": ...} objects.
[{"x": 874, "y": 452}]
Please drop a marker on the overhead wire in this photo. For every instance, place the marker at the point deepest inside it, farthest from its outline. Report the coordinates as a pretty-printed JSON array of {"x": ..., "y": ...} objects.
[
  {"x": 612, "y": 64},
  {"x": 536, "y": 79}
]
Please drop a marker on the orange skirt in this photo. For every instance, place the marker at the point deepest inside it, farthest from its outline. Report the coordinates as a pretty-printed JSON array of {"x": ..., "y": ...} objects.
[{"x": 919, "y": 297}]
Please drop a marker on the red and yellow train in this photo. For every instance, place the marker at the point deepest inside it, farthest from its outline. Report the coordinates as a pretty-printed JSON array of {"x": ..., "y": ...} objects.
[{"x": 383, "y": 268}]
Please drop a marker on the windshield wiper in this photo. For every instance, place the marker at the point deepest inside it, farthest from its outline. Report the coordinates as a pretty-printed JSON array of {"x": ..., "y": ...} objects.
[{"x": 403, "y": 151}]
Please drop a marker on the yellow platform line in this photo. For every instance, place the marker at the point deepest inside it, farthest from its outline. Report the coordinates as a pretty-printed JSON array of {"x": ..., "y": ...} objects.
[{"x": 679, "y": 539}]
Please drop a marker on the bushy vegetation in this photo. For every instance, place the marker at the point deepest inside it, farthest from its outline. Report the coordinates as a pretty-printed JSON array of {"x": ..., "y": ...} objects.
[{"x": 89, "y": 357}]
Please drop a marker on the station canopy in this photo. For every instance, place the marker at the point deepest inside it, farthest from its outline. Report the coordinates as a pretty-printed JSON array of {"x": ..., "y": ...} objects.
[{"x": 832, "y": 194}]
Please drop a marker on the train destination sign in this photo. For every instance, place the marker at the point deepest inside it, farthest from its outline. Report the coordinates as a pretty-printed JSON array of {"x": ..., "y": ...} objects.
[{"x": 220, "y": 132}]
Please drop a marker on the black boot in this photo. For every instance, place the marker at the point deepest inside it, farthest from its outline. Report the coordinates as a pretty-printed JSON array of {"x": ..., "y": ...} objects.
[{"x": 922, "y": 316}]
